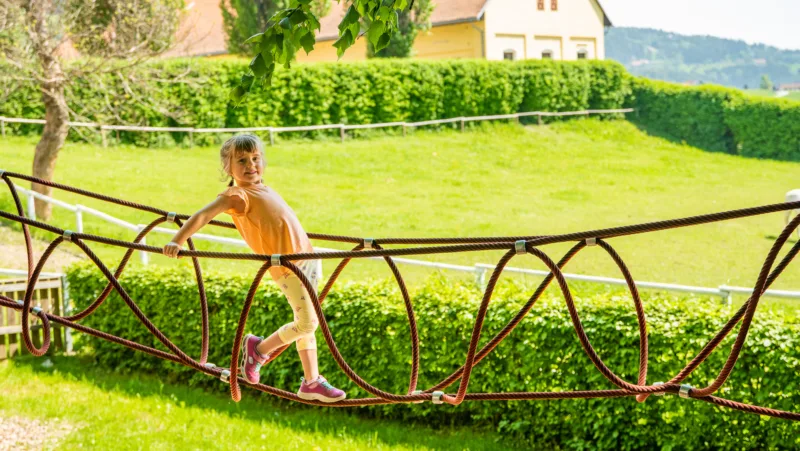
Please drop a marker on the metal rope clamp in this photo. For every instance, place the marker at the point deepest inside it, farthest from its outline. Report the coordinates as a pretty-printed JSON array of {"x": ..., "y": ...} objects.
[
  {"x": 684, "y": 391},
  {"x": 225, "y": 376},
  {"x": 209, "y": 365},
  {"x": 2, "y": 171},
  {"x": 67, "y": 235},
  {"x": 369, "y": 243},
  {"x": 171, "y": 216},
  {"x": 417, "y": 392},
  {"x": 658, "y": 393},
  {"x": 591, "y": 241},
  {"x": 436, "y": 397},
  {"x": 519, "y": 246},
  {"x": 275, "y": 260}
]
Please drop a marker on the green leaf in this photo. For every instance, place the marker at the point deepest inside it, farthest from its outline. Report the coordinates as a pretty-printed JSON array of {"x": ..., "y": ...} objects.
[
  {"x": 268, "y": 43},
  {"x": 344, "y": 41},
  {"x": 383, "y": 41},
  {"x": 297, "y": 17},
  {"x": 384, "y": 14},
  {"x": 254, "y": 39},
  {"x": 258, "y": 66},
  {"x": 237, "y": 95},
  {"x": 350, "y": 18},
  {"x": 247, "y": 81},
  {"x": 375, "y": 31},
  {"x": 313, "y": 23},
  {"x": 401, "y": 4},
  {"x": 307, "y": 41},
  {"x": 285, "y": 24}
]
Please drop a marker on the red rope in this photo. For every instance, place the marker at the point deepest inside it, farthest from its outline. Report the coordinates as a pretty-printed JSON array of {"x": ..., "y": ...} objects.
[{"x": 474, "y": 356}]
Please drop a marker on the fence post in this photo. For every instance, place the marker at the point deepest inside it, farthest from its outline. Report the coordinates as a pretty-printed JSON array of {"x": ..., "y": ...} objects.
[
  {"x": 3, "y": 126},
  {"x": 67, "y": 309},
  {"x": 480, "y": 276},
  {"x": 341, "y": 131},
  {"x": 462, "y": 124},
  {"x": 103, "y": 135},
  {"x": 144, "y": 256},
  {"x": 191, "y": 139},
  {"x": 78, "y": 219},
  {"x": 31, "y": 207},
  {"x": 726, "y": 295},
  {"x": 271, "y": 137},
  {"x": 404, "y": 129},
  {"x": 539, "y": 118}
]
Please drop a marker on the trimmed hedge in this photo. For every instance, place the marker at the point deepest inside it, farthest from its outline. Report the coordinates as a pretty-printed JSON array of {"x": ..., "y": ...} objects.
[
  {"x": 350, "y": 93},
  {"x": 719, "y": 119},
  {"x": 371, "y": 330}
]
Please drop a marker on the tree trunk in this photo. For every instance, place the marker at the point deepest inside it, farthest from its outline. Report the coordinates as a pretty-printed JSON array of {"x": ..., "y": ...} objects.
[{"x": 54, "y": 134}]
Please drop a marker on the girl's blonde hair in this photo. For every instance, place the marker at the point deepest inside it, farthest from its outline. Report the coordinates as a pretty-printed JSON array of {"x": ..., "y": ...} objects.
[{"x": 236, "y": 145}]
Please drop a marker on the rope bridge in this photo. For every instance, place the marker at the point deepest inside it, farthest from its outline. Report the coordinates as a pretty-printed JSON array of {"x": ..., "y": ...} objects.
[{"x": 367, "y": 247}]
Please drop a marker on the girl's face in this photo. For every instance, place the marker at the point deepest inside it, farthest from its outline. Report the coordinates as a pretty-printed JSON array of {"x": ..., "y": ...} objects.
[{"x": 246, "y": 168}]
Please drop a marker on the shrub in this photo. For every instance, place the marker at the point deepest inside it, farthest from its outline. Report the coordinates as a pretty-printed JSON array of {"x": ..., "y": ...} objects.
[{"x": 369, "y": 324}]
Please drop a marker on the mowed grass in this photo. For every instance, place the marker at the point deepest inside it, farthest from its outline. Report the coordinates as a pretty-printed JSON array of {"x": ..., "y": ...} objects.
[
  {"x": 500, "y": 179},
  {"x": 111, "y": 411}
]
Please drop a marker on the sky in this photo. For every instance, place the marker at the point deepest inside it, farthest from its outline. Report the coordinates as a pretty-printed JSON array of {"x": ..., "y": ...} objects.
[{"x": 772, "y": 22}]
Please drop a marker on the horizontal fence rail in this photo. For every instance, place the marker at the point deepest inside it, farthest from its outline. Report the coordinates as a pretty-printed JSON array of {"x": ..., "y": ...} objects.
[
  {"x": 479, "y": 270},
  {"x": 306, "y": 128}
]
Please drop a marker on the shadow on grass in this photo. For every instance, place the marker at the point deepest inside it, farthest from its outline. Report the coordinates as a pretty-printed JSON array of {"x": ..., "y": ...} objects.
[
  {"x": 662, "y": 134},
  {"x": 260, "y": 409}
]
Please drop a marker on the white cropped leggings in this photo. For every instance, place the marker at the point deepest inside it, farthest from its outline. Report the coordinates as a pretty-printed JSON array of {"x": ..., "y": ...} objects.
[{"x": 302, "y": 329}]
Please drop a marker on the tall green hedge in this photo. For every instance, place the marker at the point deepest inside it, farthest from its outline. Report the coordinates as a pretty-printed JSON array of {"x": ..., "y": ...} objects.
[
  {"x": 351, "y": 93},
  {"x": 719, "y": 119},
  {"x": 369, "y": 324}
]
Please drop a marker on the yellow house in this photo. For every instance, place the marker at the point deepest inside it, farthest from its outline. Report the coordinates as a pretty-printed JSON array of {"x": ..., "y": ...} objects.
[{"x": 490, "y": 29}]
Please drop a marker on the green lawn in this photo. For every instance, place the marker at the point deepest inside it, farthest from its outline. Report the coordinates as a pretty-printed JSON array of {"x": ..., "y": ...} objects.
[
  {"x": 111, "y": 411},
  {"x": 494, "y": 180},
  {"x": 770, "y": 93}
]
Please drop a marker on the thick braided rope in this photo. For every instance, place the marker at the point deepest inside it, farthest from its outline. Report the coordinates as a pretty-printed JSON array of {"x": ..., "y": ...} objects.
[{"x": 767, "y": 276}]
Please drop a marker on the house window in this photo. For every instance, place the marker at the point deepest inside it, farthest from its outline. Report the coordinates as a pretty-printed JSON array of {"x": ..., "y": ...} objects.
[
  {"x": 508, "y": 55},
  {"x": 540, "y": 4},
  {"x": 582, "y": 54},
  {"x": 547, "y": 54},
  {"x": 554, "y": 5}
]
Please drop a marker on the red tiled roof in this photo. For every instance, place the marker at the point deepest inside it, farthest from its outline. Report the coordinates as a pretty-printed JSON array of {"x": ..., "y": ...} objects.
[{"x": 201, "y": 32}]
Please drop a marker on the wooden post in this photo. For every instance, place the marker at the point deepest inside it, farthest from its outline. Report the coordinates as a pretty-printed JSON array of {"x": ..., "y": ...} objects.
[
  {"x": 462, "y": 124},
  {"x": 103, "y": 134},
  {"x": 539, "y": 116},
  {"x": 404, "y": 130},
  {"x": 271, "y": 137},
  {"x": 3, "y": 126},
  {"x": 341, "y": 132},
  {"x": 191, "y": 139}
]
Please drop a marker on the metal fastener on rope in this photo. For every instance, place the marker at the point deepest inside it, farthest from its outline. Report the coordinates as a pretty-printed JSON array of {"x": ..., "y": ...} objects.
[
  {"x": 209, "y": 365},
  {"x": 591, "y": 241},
  {"x": 275, "y": 259},
  {"x": 684, "y": 391},
  {"x": 436, "y": 398},
  {"x": 225, "y": 376},
  {"x": 658, "y": 393},
  {"x": 36, "y": 310},
  {"x": 67, "y": 235},
  {"x": 369, "y": 243},
  {"x": 417, "y": 392},
  {"x": 171, "y": 216},
  {"x": 519, "y": 246},
  {"x": 2, "y": 171}
]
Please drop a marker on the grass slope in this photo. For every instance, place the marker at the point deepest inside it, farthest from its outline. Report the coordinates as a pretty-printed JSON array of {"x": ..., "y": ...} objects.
[{"x": 497, "y": 180}]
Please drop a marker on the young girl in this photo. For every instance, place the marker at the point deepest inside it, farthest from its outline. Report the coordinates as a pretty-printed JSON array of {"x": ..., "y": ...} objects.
[{"x": 269, "y": 226}]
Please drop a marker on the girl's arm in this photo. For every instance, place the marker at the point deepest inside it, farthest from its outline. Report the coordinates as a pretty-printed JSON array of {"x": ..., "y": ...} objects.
[{"x": 200, "y": 219}]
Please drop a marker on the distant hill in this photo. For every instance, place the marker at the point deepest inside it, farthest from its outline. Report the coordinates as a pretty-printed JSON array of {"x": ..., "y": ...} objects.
[{"x": 680, "y": 58}]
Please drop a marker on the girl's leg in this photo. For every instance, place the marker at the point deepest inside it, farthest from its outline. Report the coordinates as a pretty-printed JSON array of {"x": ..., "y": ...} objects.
[{"x": 308, "y": 357}]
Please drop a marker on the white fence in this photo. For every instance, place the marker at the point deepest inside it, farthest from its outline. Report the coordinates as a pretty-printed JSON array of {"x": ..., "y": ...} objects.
[
  {"x": 304, "y": 128},
  {"x": 479, "y": 269}
]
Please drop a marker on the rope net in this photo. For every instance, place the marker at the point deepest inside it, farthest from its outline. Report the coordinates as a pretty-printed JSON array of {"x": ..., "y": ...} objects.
[{"x": 363, "y": 248}]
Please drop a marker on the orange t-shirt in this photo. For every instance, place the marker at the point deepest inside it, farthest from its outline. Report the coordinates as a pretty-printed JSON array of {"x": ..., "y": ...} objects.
[{"x": 268, "y": 225}]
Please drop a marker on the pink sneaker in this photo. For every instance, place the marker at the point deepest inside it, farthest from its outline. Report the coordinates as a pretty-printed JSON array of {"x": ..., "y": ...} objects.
[
  {"x": 320, "y": 390},
  {"x": 252, "y": 360}
]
